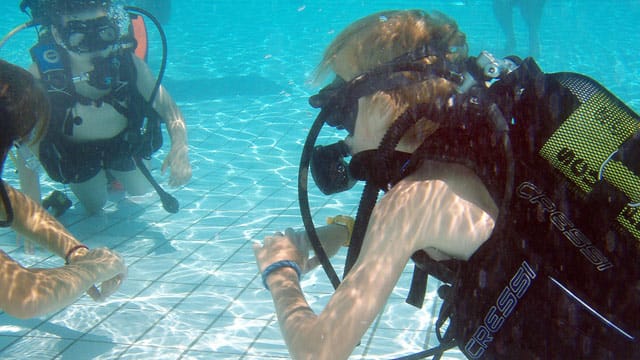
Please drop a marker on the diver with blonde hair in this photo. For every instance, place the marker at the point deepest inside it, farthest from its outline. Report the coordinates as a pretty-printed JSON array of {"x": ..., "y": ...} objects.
[
  {"x": 29, "y": 292},
  {"x": 501, "y": 181}
]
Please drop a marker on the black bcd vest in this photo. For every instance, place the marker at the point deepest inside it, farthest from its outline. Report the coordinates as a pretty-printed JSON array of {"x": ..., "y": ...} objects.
[
  {"x": 560, "y": 276},
  {"x": 141, "y": 138}
]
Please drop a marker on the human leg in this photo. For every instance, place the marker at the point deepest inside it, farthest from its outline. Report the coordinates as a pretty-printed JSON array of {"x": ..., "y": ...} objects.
[
  {"x": 133, "y": 181},
  {"x": 124, "y": 169},
  {"x": 531, "y": 11},
  {"x": 503, "y": 11},
  {"x": 92, "y": 193}
]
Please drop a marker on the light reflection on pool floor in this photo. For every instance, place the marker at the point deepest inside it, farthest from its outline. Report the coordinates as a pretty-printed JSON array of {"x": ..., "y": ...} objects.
[{"x": 193, "y": 290}]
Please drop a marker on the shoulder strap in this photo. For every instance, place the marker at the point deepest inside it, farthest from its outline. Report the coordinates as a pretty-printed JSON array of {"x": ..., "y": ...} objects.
[
  {"x": 144, "y": 133},
  {"x": 52, "y": 65},
  {"x": 54, "y": 72}
]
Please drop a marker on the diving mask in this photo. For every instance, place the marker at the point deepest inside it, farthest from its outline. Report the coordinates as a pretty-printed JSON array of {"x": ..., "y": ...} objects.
[
  {"x": 90, "y": 35},
  {"x": 342, "y": 110}
]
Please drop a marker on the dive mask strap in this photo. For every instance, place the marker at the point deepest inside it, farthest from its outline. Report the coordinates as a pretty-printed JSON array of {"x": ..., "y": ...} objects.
[{"x": 341, "y": 97}]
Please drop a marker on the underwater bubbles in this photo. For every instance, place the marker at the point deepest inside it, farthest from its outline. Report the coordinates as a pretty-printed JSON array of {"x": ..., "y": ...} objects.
[{"x": 119, "y": 16}]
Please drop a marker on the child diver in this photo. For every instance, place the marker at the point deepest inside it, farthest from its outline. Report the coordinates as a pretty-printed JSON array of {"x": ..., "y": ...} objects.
[{"x": 107, "y": 107}]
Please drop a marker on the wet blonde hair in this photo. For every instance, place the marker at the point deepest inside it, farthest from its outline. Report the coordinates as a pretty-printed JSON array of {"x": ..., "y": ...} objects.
[{"x": 381, "y": 37}]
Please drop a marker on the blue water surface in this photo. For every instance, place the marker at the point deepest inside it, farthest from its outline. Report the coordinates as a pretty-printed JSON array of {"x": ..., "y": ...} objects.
[{"x": 240, "y": 72}]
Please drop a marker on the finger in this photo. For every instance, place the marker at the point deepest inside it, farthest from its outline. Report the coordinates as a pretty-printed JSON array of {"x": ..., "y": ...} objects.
[
  {"x": 109, "y": 287},
  {"x": 300, "y": 240},
  {"x": 174, "y": 180},
  {"x": 95, "y": 294},
  {"x": 289, "y": 232},
  {"x": 257, "y": 245},
  {"x": 292, "y": 234},
  {"x": 311, "y": 264}
]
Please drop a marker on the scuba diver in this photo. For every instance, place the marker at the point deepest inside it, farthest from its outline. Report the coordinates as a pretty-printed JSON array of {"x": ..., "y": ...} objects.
[
  {"x": 106, "y": 105},
  {"x": 517, "y": 189},
  {"x": 30, "y": 292}
]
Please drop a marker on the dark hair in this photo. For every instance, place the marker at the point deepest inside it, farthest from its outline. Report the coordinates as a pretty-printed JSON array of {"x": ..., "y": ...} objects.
[
  {"x": 23, "y": 105},
  {"x": 47, "y": 12}
]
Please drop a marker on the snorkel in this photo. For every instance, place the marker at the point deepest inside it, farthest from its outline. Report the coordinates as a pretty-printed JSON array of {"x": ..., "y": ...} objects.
[{"x": 383, "y": 167}]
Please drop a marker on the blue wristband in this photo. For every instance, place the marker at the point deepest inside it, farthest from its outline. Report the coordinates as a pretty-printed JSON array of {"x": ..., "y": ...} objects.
[{"x": 279, "y": 265}]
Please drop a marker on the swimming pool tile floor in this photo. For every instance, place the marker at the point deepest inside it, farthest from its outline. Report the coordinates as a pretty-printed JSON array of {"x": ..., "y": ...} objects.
[{"x": 193, "y": 290}]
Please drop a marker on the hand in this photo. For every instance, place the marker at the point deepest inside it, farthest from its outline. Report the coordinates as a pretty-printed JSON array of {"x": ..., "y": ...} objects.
[
  {"x": 107, "y": 288},
  {"x": 178, "y": 161},
  {"x": 332, "y": 237},
  {"x": 109, "y": 269},
  {"x": 331, "y": 246},
  {"x": 281, "y": 247}
]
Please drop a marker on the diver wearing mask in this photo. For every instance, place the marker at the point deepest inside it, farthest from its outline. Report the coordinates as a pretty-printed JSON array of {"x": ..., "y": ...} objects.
[
  {"x": 89, "y": 35},
  {"x": 521, "y": 197},
  {"x": 92, "y": 39},
  {"x": 103, "y": 122},
  {"x": 99, "y": 36},
  {"x": 489, "y": 125}
]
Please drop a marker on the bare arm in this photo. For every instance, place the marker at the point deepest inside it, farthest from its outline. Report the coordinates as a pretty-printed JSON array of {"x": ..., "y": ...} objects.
[
  {"x": 432, "y": 213},
  {"x": 178, "y": 157},
  {"x": 33, "y": 292},
  {"x": 32, "y": 221},
  {"x": 29, "y": 178}
]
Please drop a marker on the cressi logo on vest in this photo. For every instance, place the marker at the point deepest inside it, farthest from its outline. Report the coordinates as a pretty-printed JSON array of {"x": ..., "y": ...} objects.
[
  {"x": 584, "y": 150},
  {"x": 499, "y": 312},
  {"x": 562, "y": 223}
]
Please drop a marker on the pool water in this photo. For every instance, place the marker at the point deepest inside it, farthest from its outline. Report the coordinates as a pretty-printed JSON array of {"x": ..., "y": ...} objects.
[{"x": 240, "y": 72}]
